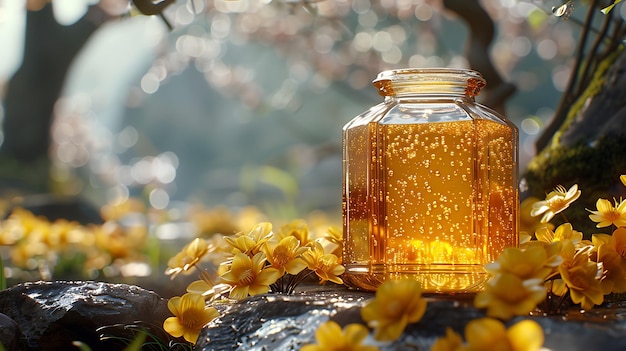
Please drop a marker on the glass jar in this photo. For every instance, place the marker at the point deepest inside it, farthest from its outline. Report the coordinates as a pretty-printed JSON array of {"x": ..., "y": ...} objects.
[{"x": 429, "y": 183}]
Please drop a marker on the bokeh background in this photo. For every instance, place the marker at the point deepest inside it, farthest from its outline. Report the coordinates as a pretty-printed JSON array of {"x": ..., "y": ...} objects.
[{"x": 240, "y": 103}]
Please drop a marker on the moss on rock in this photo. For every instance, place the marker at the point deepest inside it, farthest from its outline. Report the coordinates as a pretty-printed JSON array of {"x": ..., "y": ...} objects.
[{"x": 595, "y": 168}]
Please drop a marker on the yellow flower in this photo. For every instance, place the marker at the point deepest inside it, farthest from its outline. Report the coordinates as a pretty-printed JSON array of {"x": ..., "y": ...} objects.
[
  {"x": 326, "y": 266},
  {"x": 335, "y": 235},
  {"x": 202, "y": 287},
  {"x": 527, "y": 222},
  {"x": 563, "y": 232},
  {"x": 524, "y": 239},
  {"x": 582, "y": 278},
  {"x": 530, "y": 263},
  {"x": 190, "y": 315},
  {"x": 397, "y": 303},
  {"x": 623, "y": 179},
  {"x": 620, "y": 241},
  {"x": 284, "y": 255},
  {"x": 614, "y": 276},
  {"x": 486, "y": 334},
  {"x": 451, "y": 342},
  {"x": 507, "y": 295},
  {"x": 556, "y": 201},
  {"x": 219, "y": 249},
  {"x": 334, "y": 240},
  {"x": 248, "y": 276},
  {"x": 186, "y": 259},
  {"x": 607, "y": 214},
  {"x": 251, "y": 242},
  {"x": 297, "y": 229},
  {"x": 115, "y": 211},
  {"x": 330, "y": 337}
]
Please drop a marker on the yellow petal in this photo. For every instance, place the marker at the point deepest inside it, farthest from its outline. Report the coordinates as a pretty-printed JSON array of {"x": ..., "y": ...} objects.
[
  {"x": 327, "y": 334},
  {"x": 173, "y": 327},
  {"x": 239, "y": 292},
  {"x": 416, "y": 312},
  {"x": 199, "y": 287},
  {"x": 210, "y": 314},
  {"x": 620, "y": 241},
  {"x": 604, "y": 205},
  {"x": 547, "y": 217},
  {"x": 191, "y": 301},
  {"x": 312, "y": 347},
  {"x": 355, "y": 333},
  {"x": 241, "y": 263},
  {"x": 485, "y": 334},
  {"x": 295, "y": 266},
  {"x": 391, "y": 331},
  {"x": 257, "y": 289},
  {"x": 173, "y": 304},
  {"x": 526, "y": 335},
  {"x": 544, "y": 234},
  {"x": 268, "y": 276},
  {"x": 369, "y": 312},
  {"x": 191, "y": 335},
  {"x": 451, "y": 342}
]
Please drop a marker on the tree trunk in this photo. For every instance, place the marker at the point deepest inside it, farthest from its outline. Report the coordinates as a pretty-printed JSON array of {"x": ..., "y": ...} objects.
[
  {"x": 589, "y": 148},
  {"x": 32, "y": 92}
]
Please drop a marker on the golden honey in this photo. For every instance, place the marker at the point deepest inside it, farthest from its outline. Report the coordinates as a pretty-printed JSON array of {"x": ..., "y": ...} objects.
[{"x": 430, "y": 184}]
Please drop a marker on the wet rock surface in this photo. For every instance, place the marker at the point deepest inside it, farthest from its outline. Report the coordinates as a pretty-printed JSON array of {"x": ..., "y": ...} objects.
[
  {"x": 51, "y": 315},
  {"x": 286, "y": 322},
  {"x": 9, "y": 332}
]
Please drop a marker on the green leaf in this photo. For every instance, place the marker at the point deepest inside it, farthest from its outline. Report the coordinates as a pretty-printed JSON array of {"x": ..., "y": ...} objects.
[
  {"x": 135, "y": 345},
  {"x": 608, "y": 9},
  {"x": 3, "y": 279}
]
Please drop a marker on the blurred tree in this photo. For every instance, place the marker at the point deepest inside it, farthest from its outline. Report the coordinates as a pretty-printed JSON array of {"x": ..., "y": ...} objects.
[
  {"x": 482, "y": 31},
  {"x": 32, "y": 92}
]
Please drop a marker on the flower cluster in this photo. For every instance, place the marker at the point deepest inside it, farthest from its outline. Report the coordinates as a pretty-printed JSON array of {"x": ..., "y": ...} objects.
[
  {"x": 486, "y": 334},
  {"x": 554, "y": 265},
  {"x": 250, "y": 263},
  {"x": 62, "y": 247},
  {"x": 396, "y": 304}
]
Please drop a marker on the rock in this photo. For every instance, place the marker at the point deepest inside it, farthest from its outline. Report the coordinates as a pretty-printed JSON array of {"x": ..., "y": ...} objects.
[
  {"x": 51, "y": 315},
  {"x": 279, "y": 322},
  {"x": 9, "y": 333}
]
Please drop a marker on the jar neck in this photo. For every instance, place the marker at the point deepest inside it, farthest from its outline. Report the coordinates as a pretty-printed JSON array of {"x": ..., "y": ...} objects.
[{"x": 435, "y": 82}]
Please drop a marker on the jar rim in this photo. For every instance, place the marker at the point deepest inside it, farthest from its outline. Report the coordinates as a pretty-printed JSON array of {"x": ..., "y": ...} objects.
[
  {"x": 468, "y": 80},
  {"x": 412, "y": 73}
]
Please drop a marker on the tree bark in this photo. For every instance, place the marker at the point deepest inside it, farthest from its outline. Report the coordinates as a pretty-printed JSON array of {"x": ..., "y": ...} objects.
[{"x": 32, "y": 92}]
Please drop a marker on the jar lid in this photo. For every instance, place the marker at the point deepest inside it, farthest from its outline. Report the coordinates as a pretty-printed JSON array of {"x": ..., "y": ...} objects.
[{"x": 429, "y": 80}]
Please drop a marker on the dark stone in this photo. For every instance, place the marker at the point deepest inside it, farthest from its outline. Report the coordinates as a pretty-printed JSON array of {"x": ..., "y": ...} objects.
[
  {"x": 51, "y": 315},
  {"x": 9, "y": 333},
  {"x": 279, "y": 322}
]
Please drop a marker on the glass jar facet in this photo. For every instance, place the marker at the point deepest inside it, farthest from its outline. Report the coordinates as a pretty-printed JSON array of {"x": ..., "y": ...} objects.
[{"x": 430, "y": 183}]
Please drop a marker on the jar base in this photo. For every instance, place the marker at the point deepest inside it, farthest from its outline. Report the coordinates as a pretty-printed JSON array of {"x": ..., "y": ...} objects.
[{"x": 434, "y": 279}]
